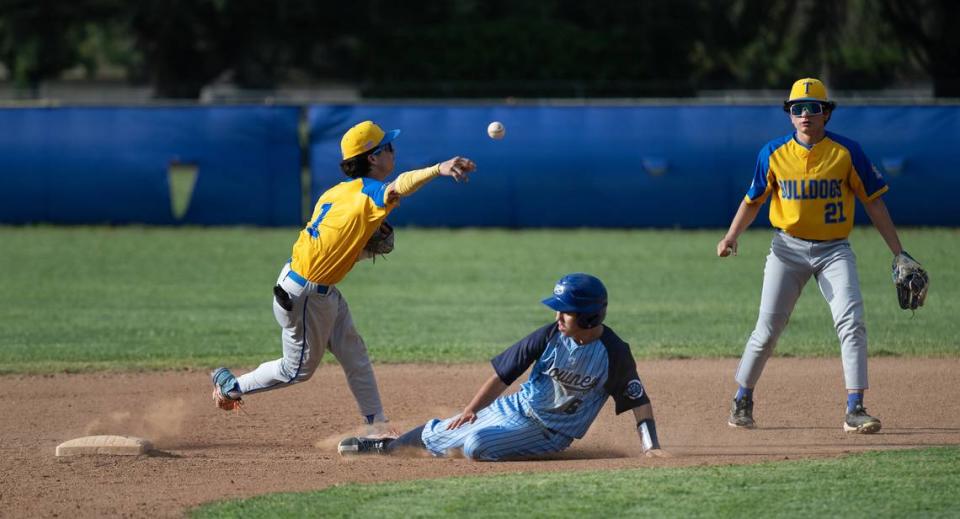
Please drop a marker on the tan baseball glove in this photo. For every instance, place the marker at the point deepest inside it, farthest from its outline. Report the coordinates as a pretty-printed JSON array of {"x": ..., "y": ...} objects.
[
  {"x": 911, "y": 281},
  {"x": 380, "y": 243}
]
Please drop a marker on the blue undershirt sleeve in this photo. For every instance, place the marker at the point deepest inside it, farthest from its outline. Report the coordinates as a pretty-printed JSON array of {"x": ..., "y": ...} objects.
[
  {"x": 623, "y": 383},
  {"x": 759, "y": 185},
  {"x": 515, "y": 360},
  {"x": 869, "y": 176}
]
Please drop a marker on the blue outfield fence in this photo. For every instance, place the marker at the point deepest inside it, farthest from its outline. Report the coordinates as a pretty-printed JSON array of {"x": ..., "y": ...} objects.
[
  {"x": 636, "y": 166},
  {"x": 110, "y": 164},
  {"x": 601, "y": 166}
]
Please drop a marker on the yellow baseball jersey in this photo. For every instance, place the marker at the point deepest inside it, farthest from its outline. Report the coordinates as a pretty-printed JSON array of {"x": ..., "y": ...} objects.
[
  {"x": 344, "y": 218},
  {"x": 813, "y": 188}
]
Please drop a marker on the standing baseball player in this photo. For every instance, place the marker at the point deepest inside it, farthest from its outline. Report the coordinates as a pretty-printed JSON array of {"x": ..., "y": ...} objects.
[
  {"x": 312, "y": 313},
  {"x": 577, "y": 363},
  {"x": 812, "y": 175}
]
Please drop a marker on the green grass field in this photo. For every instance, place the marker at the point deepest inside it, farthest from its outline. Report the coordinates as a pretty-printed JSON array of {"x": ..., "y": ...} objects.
[
  {"x": 90, "y": 298},
  {"x": 909, "y": 483},
  {"x": 104, "y": 298}
]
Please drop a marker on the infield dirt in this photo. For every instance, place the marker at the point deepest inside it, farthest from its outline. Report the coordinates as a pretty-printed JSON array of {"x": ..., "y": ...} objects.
[{"x": 286, "y": 439}]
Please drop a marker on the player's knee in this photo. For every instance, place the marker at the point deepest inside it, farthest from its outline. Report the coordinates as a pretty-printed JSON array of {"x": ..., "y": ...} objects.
[
  {"x": 471, "y": 446},
  {"x": 851, "y": 323},
  {"x": 303, "y": 376},
  {"x": 768, "y": 331},
  {"x": 763, "y": 338},
  {"x": 360, "y": 366},
  {"x": 295, "y": 372},
  {"x": 474, "y": 448}
]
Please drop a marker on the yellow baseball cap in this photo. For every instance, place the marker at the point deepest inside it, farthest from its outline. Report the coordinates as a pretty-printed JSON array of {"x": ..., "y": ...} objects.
[
  {"x": 364, "y": 137},
  {"x": 808, "y": 89}
]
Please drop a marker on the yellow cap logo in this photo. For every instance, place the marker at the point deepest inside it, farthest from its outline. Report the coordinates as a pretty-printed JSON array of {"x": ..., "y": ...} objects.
[
  {"x": 362, "y": 138},
  {"x": 808, "y": 89}
]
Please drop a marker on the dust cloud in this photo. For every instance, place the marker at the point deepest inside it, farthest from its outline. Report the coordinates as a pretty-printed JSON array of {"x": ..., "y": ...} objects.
[{"x": 160, "y": 420}]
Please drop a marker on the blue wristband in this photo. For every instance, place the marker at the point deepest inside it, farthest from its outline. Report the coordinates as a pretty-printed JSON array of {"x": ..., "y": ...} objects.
[{"x": 648, "y": 434}]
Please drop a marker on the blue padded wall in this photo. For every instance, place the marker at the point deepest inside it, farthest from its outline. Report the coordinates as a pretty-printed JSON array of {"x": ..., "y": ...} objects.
[
  {"x": 631, "y": 166},
  {"x": 109, "y": 165},
  {"x": 614, "y": 166}
]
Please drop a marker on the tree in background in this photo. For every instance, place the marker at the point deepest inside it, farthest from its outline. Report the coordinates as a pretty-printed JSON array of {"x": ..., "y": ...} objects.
[
  {"x": 491, "y": 48},
  {"x": 544, "y": 48},
  {"x": 39, "y": 39},
  {"x": 176, "y": 46},
  {"x": 42, "y": 39},
  {"x": 743, "y": 43},
  {"x": 926, "y": 27},
  {"x": 628, "y": 49},
  {"x": 867, "y": 54},
  {"x": 762, "y": 44},
  {"x": 186, "y": 44}
]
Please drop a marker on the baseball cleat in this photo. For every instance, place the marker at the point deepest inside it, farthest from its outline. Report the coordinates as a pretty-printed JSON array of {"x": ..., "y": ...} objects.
[
  {"x": 741, "y": 414},
  {"x": 859, "y": 421},
  {"x": 226, "y": 391},
  {"x": 356, "y": 445}
]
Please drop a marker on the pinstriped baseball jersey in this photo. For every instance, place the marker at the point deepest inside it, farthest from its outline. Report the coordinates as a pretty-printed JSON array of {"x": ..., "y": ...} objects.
[
  {"x": 343, "y": 219},
  {"x": 569, "y": 382},
  {"x": 813, "y": 188}
]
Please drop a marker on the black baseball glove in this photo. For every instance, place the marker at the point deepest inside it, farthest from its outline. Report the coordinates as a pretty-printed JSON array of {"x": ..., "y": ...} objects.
[
  {"x": 380, "y": 242},
  {"x": 911, "y": 281}
]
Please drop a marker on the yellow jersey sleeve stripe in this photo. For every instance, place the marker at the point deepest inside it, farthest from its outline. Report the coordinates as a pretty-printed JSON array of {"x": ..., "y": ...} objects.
[{"x": 878, "y": 193}]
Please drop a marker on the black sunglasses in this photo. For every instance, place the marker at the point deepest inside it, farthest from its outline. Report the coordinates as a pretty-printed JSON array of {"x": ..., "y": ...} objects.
[{"x": 386, "y": 147}]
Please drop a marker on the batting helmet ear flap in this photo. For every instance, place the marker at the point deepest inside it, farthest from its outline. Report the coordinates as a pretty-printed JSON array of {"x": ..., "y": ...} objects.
[{"x": 587, "y": 321}]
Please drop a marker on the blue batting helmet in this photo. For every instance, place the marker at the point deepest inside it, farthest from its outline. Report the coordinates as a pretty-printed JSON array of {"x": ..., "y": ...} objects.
[{"x": 580, "y": 294}]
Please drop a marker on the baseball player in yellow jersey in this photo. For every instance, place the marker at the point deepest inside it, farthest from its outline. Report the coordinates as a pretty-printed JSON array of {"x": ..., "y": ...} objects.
[
  {"x": 811, "y": 177},
  {"x": 308, "y": 306}
]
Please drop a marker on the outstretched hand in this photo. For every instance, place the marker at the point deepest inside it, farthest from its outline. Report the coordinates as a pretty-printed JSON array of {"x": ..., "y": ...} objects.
[
  {"x": 467, "y": 416},
  {"x": 458, "y": 168}
]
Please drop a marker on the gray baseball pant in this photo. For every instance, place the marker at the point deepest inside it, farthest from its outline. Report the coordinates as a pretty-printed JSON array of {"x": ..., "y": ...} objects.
[
  {"x": 319, "y": 320},
  {"x": 790, "y": 264}
]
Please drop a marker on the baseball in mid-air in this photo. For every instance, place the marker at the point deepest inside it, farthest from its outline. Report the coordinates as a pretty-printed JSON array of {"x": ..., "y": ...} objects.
[{"x": 496, "y": 130}]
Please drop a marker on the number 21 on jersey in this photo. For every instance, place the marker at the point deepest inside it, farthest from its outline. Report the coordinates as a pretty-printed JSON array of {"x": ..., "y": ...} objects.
[{"x": 833, "y": 213}]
